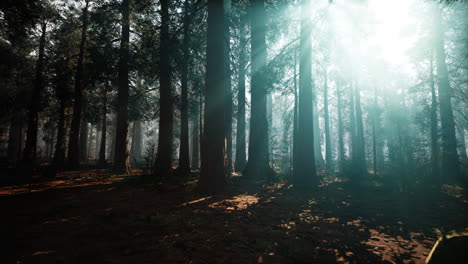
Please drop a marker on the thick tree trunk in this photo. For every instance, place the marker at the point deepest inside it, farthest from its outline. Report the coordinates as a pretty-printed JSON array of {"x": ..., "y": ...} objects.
[
  {"x": 15, "y": 137},
  {"x": 240, "y": 133},
  {"x": 450, "y": 162},
  {"x": 352, "y": 127},
  {"x": 434, "y": 135},
  {"x": 227, "y": 85},
  {"x": 305, "y": 172},
  {"x": 374, "y": 136},
  {"x": 84, "y": 131},
  {"x": 121, "y": 154},
  {"x": 184, "y": 158},
  {"x": 102, "y": 149},
  {"x": 73, "y": 143},
  {"x": 136, "y": 150},
  {"x": 163, "y": 164},
  {"x": 328, "y": 147},
  {"x": 30, "y": 148},
  {"x": 195, "y": 162},
  {"x": 258, "y": 162},
  {"x": 295, "y": 116},
  {"x": 212, "y": 177}
]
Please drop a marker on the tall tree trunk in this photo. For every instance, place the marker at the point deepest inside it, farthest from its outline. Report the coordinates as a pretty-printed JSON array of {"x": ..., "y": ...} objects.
[
  {"x": 84, "y": 131},
  {"x": 98, "y": 140},
  {"x": 121, "y": 154},
  {"x": 137, "y": 142},
  {"x": 58, "y": 162},
  {"x": 195, "y": 140},
  {"x": 319, "y": 160},
  {"x": 184, "y": 158},
  {"x": 227, "y": 85},
  {"x": 352, "y": 127},
  {"x": 258, "y": 165},
  {"x": 212, "y": 177},
  {"x": 341, "y": 152},
  {"x": 240, "y": 133},
  {"x": 15, "y": 137},
  {"x": 450, "y": 162},
  {"x": 434, "y": 135},
  {"x": 305, "y": 172},
  {"x": 328, "y": 147},
  {"x": 30, "y": 148},
  {"x": 163, "y": 164},
  {"x": 73, "y": 142},
  {"x": 295, "y": 115},
  {"x": 361, "y": 168},
  {"x": 102, "y": 150},
  {"x": 374, "y": 135}
]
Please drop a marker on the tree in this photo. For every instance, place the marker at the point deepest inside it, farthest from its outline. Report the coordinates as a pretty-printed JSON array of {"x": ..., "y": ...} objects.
[
  {"x": 73, "y": 145},
  {"x": 163, "y": 163},
  {"x": 212, "y": 177},
  {"x": 121, "y": 154},
  {"x": 258, "y": 161},
  {"x": 304, "y": 172}
]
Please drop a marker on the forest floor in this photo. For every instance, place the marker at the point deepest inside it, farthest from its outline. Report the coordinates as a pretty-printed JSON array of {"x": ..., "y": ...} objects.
[{"x": 94, "y": 217}]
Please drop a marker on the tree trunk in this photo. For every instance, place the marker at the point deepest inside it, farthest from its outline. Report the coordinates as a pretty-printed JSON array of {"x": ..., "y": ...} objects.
[
  {"x": 30, "y": 148},
  {"x": 212, "y": 177},
  {"x": 295, "y": 115},
  {"x": 84, "y": 131},
  {"x": 15, "y": 137},
  {"x": 374, "y": 136},
  {"x": 137, "y": 142},
  {"x": 184, "y": 158},
  {"x": 341, "y": 152},
  {"x": 450, "y": 162},
  {"x": 240, "y": 133},
  {"x": 102, "y": 150},
  {"x": 258, "y": 165},
  {"x": 352, "y": 128},
  {"x": 163, "y": 164},
  {"x": 434, "y": 135},
  {"x": 361, "y": 168},
  {"x": 73, "y": 144},
  {"x": 328, "y": 147},
  {"x": 195, "y": 140},
  {"x": 305, "y": 172},
  {"x": 121, "y": 154},
  {"x": 227, "y": 85},
  {"x": 58, "y": 162},
  {"x": 98, "y": 140}
]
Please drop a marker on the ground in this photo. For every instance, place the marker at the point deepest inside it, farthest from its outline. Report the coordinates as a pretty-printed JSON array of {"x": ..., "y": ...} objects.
[{"x": 94, "y": 217}]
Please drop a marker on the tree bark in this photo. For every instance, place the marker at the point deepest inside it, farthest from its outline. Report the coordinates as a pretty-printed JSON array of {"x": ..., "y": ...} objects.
[
  {"x": 195, "y": 162},
  {"x": 305, "y": 171},
  {"x": 227, "y": 85},
  {"x": 240, "y": 133},
  {"x": 212, "y": 177},
  {"x": 102, "y": 149},
  {"x": 184, "y": 157},
  {"x": 361, "y": 168},
  {"x": 341, "y": 152},
  {"x": 163, "y": 163},
  {"x": 258, "y": 160},
  {"x": 30, "y": 148},
  {"x": 434, "y": 135},
  {"x": 121, "y": 154},
  {"x": 136, "y": 150},
  {"x": 450, "y": 162},
  {"x": 73, "y": 144},
  {"x": 328, "y": 147},
  {"x": 84, "y": 131}
]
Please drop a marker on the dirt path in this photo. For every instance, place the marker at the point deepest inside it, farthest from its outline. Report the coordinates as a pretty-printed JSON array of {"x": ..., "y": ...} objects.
[{"x": 94, "y": 218}]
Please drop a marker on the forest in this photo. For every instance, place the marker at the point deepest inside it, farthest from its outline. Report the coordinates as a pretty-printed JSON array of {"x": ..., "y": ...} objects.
[{"x": 234, "y": 131}]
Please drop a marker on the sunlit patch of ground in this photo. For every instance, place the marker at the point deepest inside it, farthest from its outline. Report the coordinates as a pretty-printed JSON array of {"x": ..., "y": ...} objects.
[{"x": 140, "y": 219}]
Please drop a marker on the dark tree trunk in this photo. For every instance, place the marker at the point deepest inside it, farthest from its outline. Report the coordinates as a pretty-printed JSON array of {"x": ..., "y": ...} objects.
[
  {"x": 212, "y": 177},
  {"x": 305, "y": 172},
  {"x": 184, "y": 157},
  {"x": 73, "y": 144},
  {"x": 328, "y": 147},
  {"x": 434, "y": 135},
  {"x": 374, "y": 135},
  {"x": 102, "y": 150},
  {"x": 58, "y": 162},
  {"x": 137, "y": 142},
  {"x": 163, "y": 164},
  {"x": 450, "y": 162},
  {"x": 15, "y": 137},
  {"x": 195, "y": 140},
  {"x": 295, "y": 115},
  {"x": 240, "y": 133},
  {"x": 84, "y": 131},
  {"x": 352, "y": 127},
  {"x": 258, "y": 162},
  {"x": 227, "y": 87},
  {"x": 121, "y": 154},
  {"x": 30, "y": 148}
]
